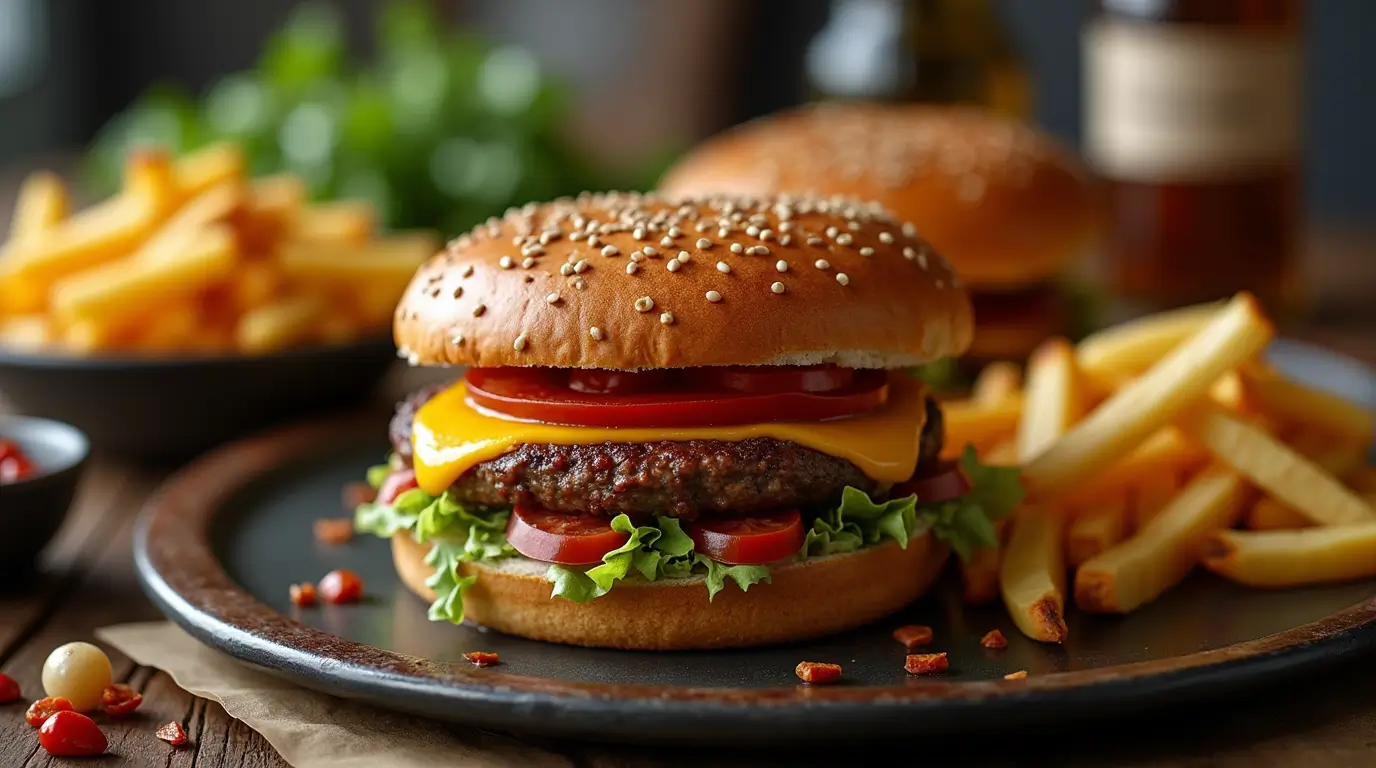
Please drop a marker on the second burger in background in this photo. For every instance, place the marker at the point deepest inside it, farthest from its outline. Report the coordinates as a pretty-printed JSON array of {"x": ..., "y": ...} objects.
[{"x": 1008, "y": 206}]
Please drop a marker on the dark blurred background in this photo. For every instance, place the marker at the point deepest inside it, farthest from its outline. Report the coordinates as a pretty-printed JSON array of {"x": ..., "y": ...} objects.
[{"x": 648, "y": 76}]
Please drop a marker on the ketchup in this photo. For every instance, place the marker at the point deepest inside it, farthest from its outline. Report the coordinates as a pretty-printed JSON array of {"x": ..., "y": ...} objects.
[{"x": 14, "y": 465}]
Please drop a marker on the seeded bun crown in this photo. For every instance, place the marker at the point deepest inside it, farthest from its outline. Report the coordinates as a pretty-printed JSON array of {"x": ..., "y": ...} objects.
[
  {"x": 1006, "y": 204},
  {"x": 629, "y": 282}
]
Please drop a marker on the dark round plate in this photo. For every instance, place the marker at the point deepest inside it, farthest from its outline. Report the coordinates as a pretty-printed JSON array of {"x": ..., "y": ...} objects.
[
  {"x": 219, "y": 545},
  {"x": 173, "y": 408}
]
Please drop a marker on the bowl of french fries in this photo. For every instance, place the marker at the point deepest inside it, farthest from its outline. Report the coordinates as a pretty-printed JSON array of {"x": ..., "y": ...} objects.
[
  {"x": 196, "y": 304},
  {"x": 1164, "y": 445}
]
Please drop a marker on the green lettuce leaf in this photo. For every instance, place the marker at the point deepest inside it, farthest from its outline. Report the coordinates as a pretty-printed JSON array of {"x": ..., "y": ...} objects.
[
  {"x": 743, "y": 575},
  {"x": 378, "y": 473},
  {"x": 996, "y": 490},
  {"x": 859, "y": 522},
  {"x": 448, "y": 585},
  {"x": 654, "y": 551}
]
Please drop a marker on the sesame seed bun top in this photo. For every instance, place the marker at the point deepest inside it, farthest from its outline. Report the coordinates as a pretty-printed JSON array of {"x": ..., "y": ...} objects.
[
  {"x": 1005, "y": 203},
  {"x": 629, "y": 282}
]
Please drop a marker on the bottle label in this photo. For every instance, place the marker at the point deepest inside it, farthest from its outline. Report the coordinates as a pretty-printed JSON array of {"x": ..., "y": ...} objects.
[{"x": 1168, "y": 103}]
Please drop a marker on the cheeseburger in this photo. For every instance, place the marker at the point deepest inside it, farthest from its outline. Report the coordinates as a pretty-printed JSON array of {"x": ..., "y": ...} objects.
[
  {"x": 1007, "y": 205},
  {"x": 683, "y": 423}
]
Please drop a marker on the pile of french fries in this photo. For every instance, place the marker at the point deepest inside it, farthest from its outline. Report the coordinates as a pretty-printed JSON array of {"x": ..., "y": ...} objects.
[
  {"x": 1157, "y": 446},
  {"x": 193, "y": 256}
]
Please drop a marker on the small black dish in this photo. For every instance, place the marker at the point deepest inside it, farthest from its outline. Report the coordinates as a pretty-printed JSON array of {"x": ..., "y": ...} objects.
[
  {"x": 169, "y": 409},
  {"x": 32, "y": 510}
]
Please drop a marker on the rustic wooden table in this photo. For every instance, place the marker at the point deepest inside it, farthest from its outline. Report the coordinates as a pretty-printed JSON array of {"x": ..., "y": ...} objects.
[{"x": 88, "y": 582}]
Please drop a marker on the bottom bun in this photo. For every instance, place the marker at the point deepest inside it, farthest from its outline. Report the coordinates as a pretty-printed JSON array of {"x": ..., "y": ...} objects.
[{"x": 818, "y": 596}]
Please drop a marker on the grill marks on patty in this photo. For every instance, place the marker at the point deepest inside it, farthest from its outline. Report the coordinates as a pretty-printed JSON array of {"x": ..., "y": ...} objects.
[{"x": 676, "y": 478}]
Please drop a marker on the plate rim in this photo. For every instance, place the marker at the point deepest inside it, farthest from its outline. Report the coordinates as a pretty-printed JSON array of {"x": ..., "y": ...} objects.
[{"x": 177, "y": 568}]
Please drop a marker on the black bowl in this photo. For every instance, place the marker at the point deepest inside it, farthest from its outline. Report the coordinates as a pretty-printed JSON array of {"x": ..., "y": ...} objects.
[
  {"x": 171, "y": 409},
  {"x": 32, "y": 510}
]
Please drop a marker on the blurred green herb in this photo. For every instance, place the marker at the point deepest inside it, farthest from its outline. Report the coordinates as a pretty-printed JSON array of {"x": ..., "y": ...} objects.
[{"x": 442, "y": 130}]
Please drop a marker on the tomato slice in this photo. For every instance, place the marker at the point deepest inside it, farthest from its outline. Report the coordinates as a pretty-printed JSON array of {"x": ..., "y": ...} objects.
[
  {"x": 560, "y": 537},
  {"x": 14, "y": 465},
  {"x": 543, "y": 394},
  {"x": 945, "y": 481},
  {"x": 397, "y": 483},
  {"x": 753, "y": 540},
  {"x": 756, "y": 380},
  {"x": 599, "y": 382}
]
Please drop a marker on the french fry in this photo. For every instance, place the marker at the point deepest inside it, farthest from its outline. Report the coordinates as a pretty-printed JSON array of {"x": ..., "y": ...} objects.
[
  {"x": 980, "y": 574},
  {"x": 1153, "y": 400},
  {"x": 1003, "y": 454},
  {"x": 1292, "y": 402},
  {"x": 1139, "y": 569},
  {"x": 350, "y": 222},
  {"x": 1166, "y": 452},
  {"x": 391, "y": 261},
  {"x": 118, "y": 291},
  {"x": 1294, "y": 558},
  {"x": 1053, "y": 400},
  {"x": 254, "y": 284},
  {"x": 1032, "y": 575},
  {"x": 1276, "y": 468},
  {"x": 42, "y": 203},
  {"x": 171, "y": 328},
  {"x": 102, "y": 233},
  {"x": 148, "y": 177},
  {"x": 1150, "y": 495},
  {"x": 212, "y": 206},
  {"x": 21, "y": 295},
  {"x": 210, "y": 166},
  {"x": 1094, "y": 530},
  {"x": 25, "y": 332},
  {"x": 1114, "y": 355},
  {"x": 1267, "y": 514},
  {"x": 282, "y": 324},
  {"x": 998, "y": 381},
  {"x": 971, "y": 423}
]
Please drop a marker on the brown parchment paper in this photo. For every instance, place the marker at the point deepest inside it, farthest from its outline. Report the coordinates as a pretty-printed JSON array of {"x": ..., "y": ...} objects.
[{"x": 311, "y": 729}]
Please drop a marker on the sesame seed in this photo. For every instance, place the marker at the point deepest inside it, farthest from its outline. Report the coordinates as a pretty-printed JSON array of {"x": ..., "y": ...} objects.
[
  {"x": 785, "y": 226},
  {"x": 553, "y": 298},
  {"x": 520, "y": 343},
  {"x": 684, "y": 257},
  {"x": 778, "y": 287},
  {"x": 673, "y": 265},
  {"x": 581, "y": 266},
  {"x": 815, "y": 241},
  {"x": 723, "y": 233},
  {"x": 832, "y": 232},
  {"x": 781, "y": 265},
  {"x": 675, "y": 233},
  {"x": 723, "y": 268},
  {"x": 479, "y": 310},
  {"x": 632, "y": 267},
  {"x": 467, "y": 271},
  {"x": 565, "y": 269},
  {"x": 637, "y": 256},
  {"x": 666, "y": 241},
  {"x": 867, "y": 251},
  {"x": 713, "y": 296},
  {"x": 577, "y": 236},
  {"x": 844, "y": 239},
  {"x": 853, "y": 226},
  {"x": 595, "y": 333},
  {"x": 548, "y": 237},
  {"x": 909, "y": 229},
  {"x": 457, "y": 340},
  {"x": 649, "y": 250},
  {"x": 638, "y": 233},
  {"x": 822, "y": 264},
  {"x": 785, "y": 240},
  {"x": 752, "y": 230},
  {"x": 762, "y": 250},
  {"x": 458, "y": 291},
  {"x": 610, "y": 250},
  {"x": 702, "y": 226},
  {"x": 736, "y": 248},
  {"x": 578, "y": 283},
  {"x": 766, "y": 234},
  {"x": 528, "y": 262},
  {"x": 843, "y": 278},
  {"x": 505, "y": 262},
  {"x": 886, "y": 238},
  {"x": 909, "y": 253},
  {"x": 532, "y": 250},
  {"x": 644, "y": 304},
  {"x": 922, "y": 259},
  {"x": 667, "y": 318},
  {"x": 593, "y": 242},
  {"x": 704, "y": 243}
]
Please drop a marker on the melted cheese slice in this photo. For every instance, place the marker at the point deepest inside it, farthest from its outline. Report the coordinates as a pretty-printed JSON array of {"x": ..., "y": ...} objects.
[{"x": 450, "y": 436}]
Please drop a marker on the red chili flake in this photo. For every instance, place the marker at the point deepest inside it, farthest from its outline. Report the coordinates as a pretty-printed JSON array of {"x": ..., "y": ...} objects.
[
  {"x": 1019, "y": 675},
  {"x": 303, "y": 594},
  {"x": 482, "y": 658},
  {"x": 172, "y": 733},
  {"x": 119, "y": 700},
  {"x": 358, "y": 493},
  {"x": 994, "y": 641},
  {"x": 818, "y": 673},
  {"x": 334, "y": 530},
  {"x": 9, "y": 689},
  {"x": 913, "y": 636},
  {"x": 925, "y": 663},
  {"x": 44, "y": 708}
]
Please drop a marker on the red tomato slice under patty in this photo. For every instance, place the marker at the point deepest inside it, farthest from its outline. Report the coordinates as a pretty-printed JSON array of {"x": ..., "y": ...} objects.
[
  {"x": 545, "y": 395},
  {"x": 946, "y": 481},
  {"x": 560, "y": 537},
  {"x": 397, "y": 483},
  {"x": 753, "y": 540},
  {"x": 757, "y": 380}
]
